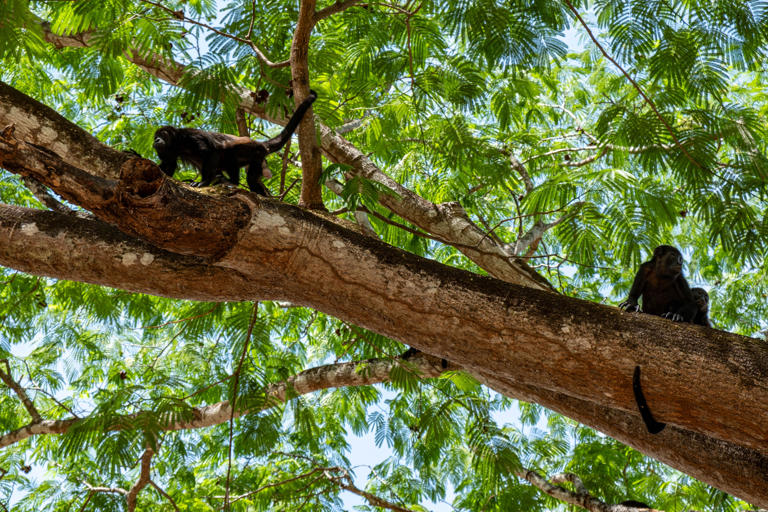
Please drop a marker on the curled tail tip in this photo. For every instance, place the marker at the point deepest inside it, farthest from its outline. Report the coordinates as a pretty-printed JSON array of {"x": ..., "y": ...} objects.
[{"x": 653, "y": 426}]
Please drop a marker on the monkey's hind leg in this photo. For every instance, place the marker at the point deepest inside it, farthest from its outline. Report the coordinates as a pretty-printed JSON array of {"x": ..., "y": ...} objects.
[{"x": 653, "y": 426}]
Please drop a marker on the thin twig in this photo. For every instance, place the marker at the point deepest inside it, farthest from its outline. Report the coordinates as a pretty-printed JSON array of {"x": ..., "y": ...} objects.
[
  {"x": 333, "y": 9},
  {"x": 636, "y": 86},
  {"x": 294, "y": 182},
  {"x": 179, "y": 15},
  {"x": 233, "y": 402},
  {"x": 36, "y": 387},
  {"x": 164, "y": 495},
  {"x": 275, "y": 484},
  {"x": 182, "y": 319}
]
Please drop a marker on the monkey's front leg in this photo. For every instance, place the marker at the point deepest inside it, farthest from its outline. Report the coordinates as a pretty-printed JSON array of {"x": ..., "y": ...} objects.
[{"x": 637, "y": 289}]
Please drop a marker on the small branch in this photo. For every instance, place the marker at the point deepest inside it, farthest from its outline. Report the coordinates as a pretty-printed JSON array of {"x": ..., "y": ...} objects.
[
  {"x": 113, "y": 490},
  {"x": 580, "y": 498},
  {"x": 579, "y": 127},
  {"x": 333, "y": 9},
  {"x": 308, "y": 381},
  {"x": 648, "y": 100},
  {"x": 587, "y": 160},
  {"x": 570, "y": 477},
  {"x": 361, "y": 217},
  {"x": 633, "y": 150},
  {"x": 253, "y": 20},
  {"x": 521, "y": 170},
  {"x": 164, "y": 495},
  {"x": 276, "y": 484},
  {"x": 539, "y": 228},
  {"x": 364, "y": 222},
  {"x": 344, "y": 480},
  {"x": 293, "y": 183},
  {"x": 351, "y": 125},
  {"x": 52, "y": 397},
  {"x": 242, "y": 123},
  {"x": 146, "y": 466},
  {"x": 179, "y": 15},
  {"x": 490, "y": 231},
  {"x": 584, "y": 500},
  {"x": 20, "y": 392}
]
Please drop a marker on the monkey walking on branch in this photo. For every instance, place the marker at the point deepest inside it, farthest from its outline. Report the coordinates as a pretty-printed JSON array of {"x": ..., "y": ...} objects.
[{"x": 214, "y": 154}]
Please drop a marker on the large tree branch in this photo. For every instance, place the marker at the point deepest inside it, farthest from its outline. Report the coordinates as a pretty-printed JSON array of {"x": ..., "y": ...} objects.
[
  {"x": 444, "y": 221},
  {"x": 89, "y": 250},
  {"x": 45, "y": 127},
  {"x": 448, "y": 221},
  {"x": 572, "y": 356}
]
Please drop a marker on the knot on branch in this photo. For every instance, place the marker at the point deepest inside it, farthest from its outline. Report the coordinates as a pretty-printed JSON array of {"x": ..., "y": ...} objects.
[
  {"x": 140, "y": 177},
  {"x": 7, "y": 133}
]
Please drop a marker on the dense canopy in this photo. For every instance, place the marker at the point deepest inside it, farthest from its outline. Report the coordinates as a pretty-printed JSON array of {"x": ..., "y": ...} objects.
[{"x": 478, "y": 180}]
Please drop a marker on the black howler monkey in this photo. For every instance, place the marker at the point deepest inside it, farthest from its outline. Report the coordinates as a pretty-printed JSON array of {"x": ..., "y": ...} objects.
[
  {"x": 661, "y": 284},
  {"x": 701, "y": 298},
  {"x": 216, "y": 153}
]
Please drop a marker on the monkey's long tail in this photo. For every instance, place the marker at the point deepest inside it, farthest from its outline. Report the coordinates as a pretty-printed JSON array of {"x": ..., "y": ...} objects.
[
  {"x": 653, "y": 426},
  {"x": 278, "y": 142}
]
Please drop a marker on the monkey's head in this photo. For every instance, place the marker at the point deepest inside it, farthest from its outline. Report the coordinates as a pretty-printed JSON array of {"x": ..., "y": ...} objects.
[
  {"x": 701, "y": 297},
  {"x": 668, "y": 261},
  {"x": 165, "y": 138}
]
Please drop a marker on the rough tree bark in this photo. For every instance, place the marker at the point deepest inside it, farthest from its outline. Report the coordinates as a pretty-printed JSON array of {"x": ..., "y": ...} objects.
[{"x": 570, "y": 355}]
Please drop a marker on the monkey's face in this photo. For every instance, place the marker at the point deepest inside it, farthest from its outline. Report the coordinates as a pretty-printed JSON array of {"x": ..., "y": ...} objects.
[
  {"x": 164, "y": 138},
  {"x": 701, "y": 297},
  {"x": 669, "y": 261}
]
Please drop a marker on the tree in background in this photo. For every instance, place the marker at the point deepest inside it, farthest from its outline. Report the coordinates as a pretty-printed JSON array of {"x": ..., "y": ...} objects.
[{"x": 449, "y": 142}]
